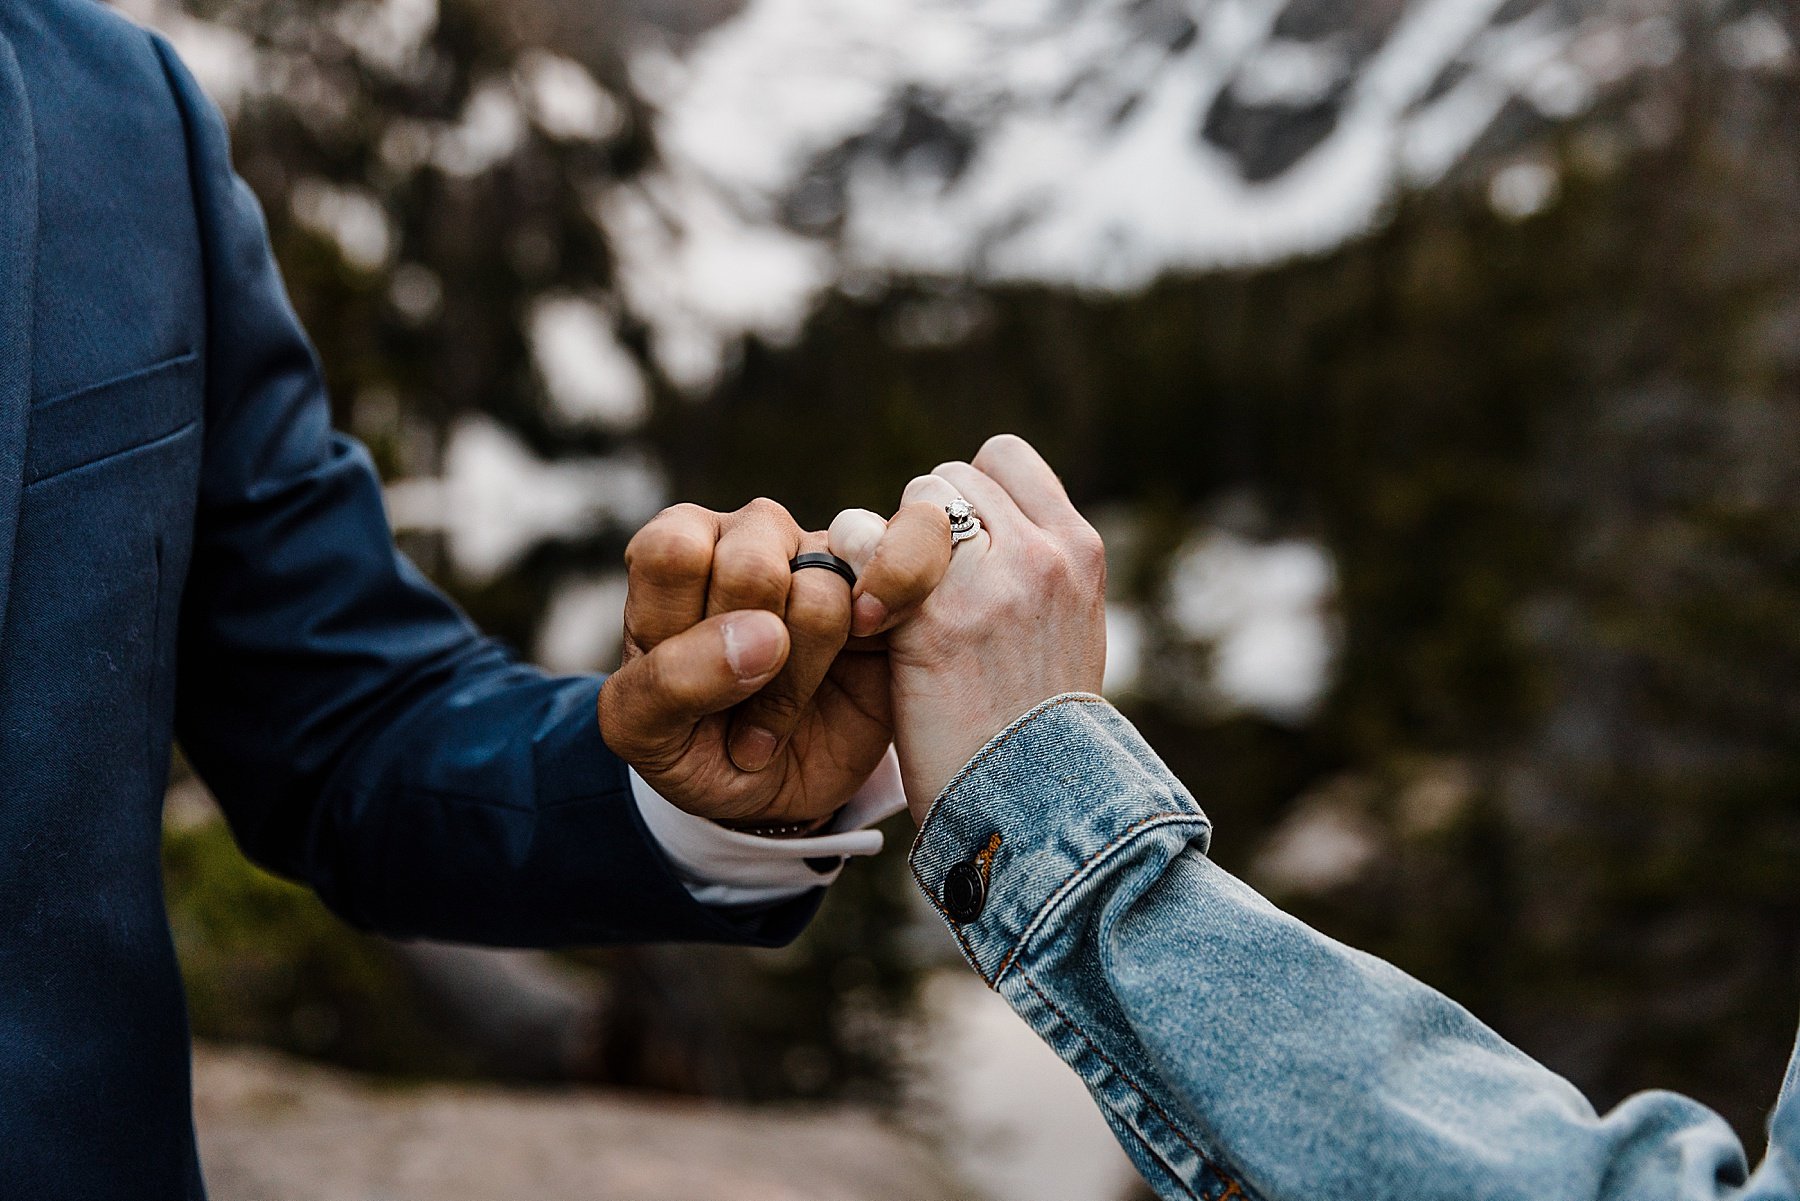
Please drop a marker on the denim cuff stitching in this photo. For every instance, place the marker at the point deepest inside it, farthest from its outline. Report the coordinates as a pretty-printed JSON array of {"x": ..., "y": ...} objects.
[{"x": 1087, "y": 868}]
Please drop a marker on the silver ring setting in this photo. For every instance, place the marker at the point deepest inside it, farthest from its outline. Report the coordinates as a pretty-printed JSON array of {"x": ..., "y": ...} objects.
[{"x": 964, "y": 525}]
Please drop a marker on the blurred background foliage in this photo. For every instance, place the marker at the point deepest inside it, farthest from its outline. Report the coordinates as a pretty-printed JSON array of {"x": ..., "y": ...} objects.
[{"x": 1518, "y": 462}]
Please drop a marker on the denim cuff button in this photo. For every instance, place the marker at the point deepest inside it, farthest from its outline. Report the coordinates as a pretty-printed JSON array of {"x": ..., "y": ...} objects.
[{"x": 965, "y": 891}]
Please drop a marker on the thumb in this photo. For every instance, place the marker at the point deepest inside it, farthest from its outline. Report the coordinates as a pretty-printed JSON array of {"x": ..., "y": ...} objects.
[{"x": 650, "y": 706}]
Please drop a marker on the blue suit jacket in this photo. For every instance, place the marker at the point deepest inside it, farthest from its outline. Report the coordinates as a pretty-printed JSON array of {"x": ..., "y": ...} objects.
[{"x": 187, "y": 547}]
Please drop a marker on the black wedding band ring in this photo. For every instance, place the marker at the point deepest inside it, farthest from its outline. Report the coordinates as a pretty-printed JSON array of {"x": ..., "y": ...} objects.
[{"x": 830, "y": 562}]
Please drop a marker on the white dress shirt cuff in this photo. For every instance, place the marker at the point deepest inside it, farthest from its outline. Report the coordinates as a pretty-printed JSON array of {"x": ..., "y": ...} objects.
[{"x": 728, "y": 867}]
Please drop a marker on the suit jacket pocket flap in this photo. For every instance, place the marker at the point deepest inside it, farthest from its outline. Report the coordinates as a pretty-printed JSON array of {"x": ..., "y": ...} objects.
[{"x": 84, "y": 427}]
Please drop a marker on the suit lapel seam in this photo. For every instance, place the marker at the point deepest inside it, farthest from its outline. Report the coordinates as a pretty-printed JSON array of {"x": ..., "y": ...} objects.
[{"x": 18, "y": 259}]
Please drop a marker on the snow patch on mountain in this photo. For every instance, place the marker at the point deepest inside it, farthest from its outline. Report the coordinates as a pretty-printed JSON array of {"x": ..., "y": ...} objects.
[{"x": 1094, "y": 143}]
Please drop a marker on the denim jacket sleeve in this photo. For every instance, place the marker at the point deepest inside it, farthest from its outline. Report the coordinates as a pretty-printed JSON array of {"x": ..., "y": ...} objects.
[{"x": 1238, "y": 1053}]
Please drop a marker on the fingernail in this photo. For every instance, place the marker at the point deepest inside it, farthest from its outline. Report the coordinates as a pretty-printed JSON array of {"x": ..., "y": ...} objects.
[
  {"x": 752, "y": 747},
  {"x": 752, "y": 645},
  {"x": 868, "y": 615}
]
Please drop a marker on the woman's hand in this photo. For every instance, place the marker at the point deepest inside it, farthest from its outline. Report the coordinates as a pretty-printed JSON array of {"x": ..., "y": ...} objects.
[{"x": 1020, "y": 616}]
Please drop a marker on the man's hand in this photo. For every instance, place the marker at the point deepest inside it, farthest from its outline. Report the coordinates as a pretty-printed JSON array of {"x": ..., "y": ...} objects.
[{"x": 742, "y": 696}]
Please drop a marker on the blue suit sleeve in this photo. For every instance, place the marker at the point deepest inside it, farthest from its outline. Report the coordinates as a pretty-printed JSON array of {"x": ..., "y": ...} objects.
[
  {"x": 1238, "y": 1053},
  {"x": 361, "y": 736}
]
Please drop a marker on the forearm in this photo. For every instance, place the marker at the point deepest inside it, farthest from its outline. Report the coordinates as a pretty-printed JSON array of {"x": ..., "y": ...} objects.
[
  {"x": 493, "y": 813},
  {"x": 462, "y": 797},
  {"x": 1230, "y": 1044},
  {"x": 1279, "y": 1038}
]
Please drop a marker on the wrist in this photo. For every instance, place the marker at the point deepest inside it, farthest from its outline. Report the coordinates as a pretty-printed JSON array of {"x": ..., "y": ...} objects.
[
  {"x": 945, "y": 713},
  {"x": 933, "y": 754}
]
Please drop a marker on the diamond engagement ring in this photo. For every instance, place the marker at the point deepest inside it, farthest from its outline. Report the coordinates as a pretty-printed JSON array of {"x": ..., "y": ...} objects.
[{"x": 964, "y": 525}]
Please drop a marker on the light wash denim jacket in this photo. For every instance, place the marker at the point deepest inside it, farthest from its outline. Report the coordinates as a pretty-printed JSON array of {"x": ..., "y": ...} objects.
[{"x": 1238, "y": 1053}]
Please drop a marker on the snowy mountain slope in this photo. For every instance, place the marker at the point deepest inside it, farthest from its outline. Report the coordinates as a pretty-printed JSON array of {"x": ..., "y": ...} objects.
[
  {"x": 1093, "y": 143},
  {"x": 1086, "y": 143}
]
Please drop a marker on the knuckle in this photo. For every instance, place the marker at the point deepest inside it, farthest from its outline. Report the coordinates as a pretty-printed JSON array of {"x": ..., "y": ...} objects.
[
  {"x": 1073, "y": 574},
  {"x": 1071, "y": 564},
  {"x": 998, "y": 445},
  {"x": 1088, "y": 548},
  {"x": 768, "y": 509},
  {"x": 666, "y": 551},
  {"x": 1046, "y": 567},
  {"x": 948, "y": 466},
  {"x": 751, "y": 581}
]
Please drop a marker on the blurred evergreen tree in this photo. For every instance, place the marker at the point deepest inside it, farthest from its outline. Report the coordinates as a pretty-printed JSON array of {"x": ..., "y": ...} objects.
[{"x": 1554, "y": 459}]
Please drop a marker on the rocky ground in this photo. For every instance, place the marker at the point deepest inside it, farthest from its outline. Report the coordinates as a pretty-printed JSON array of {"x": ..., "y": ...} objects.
[{"x": 271, "y": 1128}]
